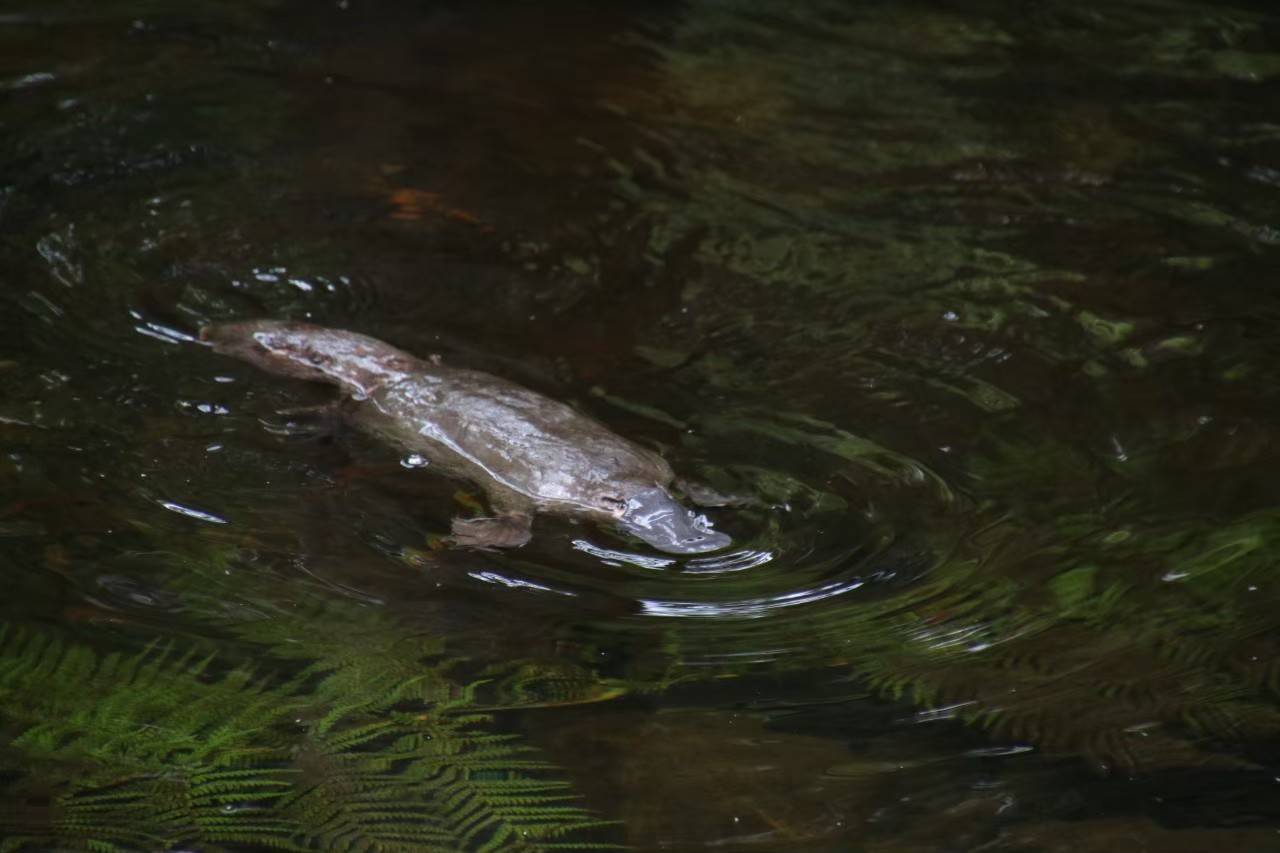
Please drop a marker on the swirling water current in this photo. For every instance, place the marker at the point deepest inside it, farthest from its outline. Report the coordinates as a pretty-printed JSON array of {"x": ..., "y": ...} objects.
[{"x": 973, "y": 305}]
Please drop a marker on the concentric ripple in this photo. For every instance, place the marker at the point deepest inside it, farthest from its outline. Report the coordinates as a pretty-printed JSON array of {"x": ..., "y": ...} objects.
[{"x": 804, "y": 566}]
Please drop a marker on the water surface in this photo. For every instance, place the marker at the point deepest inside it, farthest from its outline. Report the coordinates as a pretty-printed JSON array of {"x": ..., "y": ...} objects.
[{"x": 974, "y": 304}]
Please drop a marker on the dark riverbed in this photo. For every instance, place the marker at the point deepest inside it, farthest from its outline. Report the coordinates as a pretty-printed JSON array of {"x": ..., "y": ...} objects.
[{"x": 976, "y": 302}]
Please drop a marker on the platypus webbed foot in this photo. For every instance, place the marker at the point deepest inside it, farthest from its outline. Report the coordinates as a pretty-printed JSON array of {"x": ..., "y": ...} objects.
[
  {"x": 508, "y": 530},
  {"x": 323, "y": 421},
  {"x": 700, "y": 494},
  {"x": 323, "y": 410}
]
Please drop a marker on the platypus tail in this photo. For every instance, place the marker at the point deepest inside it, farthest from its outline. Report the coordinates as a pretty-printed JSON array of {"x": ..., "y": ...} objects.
[{"x": 356, "y": 363}]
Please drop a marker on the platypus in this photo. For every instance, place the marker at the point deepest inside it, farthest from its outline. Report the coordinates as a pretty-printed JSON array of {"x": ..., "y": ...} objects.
[{"x": 528, "y": 453}]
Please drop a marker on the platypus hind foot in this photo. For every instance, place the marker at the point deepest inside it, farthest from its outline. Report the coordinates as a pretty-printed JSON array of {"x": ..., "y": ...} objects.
[
  {"x": 508, "y": 530},
  {"x": 322, "y": 421}
]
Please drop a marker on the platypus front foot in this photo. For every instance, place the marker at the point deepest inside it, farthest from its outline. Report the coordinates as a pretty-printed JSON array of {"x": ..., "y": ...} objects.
[
  {"x": 508, "y": 530},
  {"x": 700, "y": 494}
]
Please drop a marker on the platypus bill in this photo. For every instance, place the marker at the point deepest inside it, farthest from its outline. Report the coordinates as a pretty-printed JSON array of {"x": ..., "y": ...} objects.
[{"x": 527, "y": 452}]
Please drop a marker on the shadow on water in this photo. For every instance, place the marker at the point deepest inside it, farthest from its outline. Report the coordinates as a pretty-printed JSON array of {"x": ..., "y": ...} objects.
[{"x": 972, "y": 306}]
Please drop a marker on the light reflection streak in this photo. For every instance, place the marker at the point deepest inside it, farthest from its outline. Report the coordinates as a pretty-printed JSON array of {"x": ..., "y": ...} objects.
[
  {"x": 750, "y": 608},
  {"x": 516, "y": 583},
  {"x": 974, "y": 638},
  {"x": 946, "y": 712},
  {"x": 738, "y": 561},
  {"x": 611, "y": 557},
  {"x": 754, "y": 656},
  {"x": 948, "y": 638},
  {"x": 190, "y": 512},
  {"x": 163, "y": 333}
]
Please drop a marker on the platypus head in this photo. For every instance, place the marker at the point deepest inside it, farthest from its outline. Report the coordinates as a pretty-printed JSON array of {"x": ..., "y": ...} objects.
[
  {"x": 357, "y": 363},
  {"x": 659, "y": 519}
]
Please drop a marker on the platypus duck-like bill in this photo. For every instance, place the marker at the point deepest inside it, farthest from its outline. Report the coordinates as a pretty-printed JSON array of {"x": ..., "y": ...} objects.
[
  {"x": 657, "y": 518},
  {"x": 528, "y": 452}
]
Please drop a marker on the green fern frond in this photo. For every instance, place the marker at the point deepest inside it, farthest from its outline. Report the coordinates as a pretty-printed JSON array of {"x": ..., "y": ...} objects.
[{"x": 155, "y": 749}]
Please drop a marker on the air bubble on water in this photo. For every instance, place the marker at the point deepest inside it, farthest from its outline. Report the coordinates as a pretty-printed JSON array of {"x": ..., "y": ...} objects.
[{"x": 414, "y": 460}]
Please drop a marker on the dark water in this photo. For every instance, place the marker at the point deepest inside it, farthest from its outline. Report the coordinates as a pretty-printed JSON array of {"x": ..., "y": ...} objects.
[{"x": 977, "y": 302}]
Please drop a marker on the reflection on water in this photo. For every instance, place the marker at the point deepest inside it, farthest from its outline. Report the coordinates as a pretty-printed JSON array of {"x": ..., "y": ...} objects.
[
  {"x": 968, "y": 310},
  {"x": 752, "y": 607},
  {"x": 614, "y": 558},
  {"x": 737, "y": 561}
]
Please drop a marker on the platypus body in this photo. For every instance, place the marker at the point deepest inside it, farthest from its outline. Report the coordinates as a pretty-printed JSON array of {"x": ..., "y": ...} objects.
[{"x": 528, "y": 453}]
